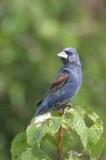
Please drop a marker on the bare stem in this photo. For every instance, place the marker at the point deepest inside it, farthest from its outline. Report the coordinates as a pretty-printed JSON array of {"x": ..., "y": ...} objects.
[{"x": 59, "y": 142}]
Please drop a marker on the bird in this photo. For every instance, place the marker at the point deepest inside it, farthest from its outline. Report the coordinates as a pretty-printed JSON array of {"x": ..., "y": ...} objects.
[{"x": 65, "y": 86}]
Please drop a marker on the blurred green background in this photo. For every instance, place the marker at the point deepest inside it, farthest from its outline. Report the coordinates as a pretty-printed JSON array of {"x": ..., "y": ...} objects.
[{"x": 31, "y": 34}]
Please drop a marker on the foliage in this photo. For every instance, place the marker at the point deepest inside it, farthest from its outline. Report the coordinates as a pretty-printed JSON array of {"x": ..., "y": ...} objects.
[
  {"x": 28, "y": 145},
  {"x": 32, "y": 32}
]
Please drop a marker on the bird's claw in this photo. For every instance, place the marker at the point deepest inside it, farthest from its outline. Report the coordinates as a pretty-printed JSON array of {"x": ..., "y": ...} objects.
[{"x": 70, "y": 105}]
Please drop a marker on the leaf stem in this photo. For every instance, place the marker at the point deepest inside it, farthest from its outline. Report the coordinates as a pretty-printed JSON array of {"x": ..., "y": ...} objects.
[{"x": 59, "y": 142}]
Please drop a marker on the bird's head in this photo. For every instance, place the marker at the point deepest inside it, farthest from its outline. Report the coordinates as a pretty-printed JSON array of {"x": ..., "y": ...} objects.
[{"x": 70, "y": 55}]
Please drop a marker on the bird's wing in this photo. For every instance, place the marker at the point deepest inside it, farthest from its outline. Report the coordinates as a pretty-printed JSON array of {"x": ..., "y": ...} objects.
[{"x": 60, "y": 80}]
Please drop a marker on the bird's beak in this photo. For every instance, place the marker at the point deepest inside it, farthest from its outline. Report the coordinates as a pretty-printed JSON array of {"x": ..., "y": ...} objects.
[{"x": 62, "y": 55}]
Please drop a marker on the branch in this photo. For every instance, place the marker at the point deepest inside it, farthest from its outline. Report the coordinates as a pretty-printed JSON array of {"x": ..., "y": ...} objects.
[{"x": 59, "y": 142}]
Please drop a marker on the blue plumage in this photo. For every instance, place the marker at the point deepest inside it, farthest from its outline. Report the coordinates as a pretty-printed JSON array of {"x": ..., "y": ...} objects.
[{"x": 66, "y": 84}]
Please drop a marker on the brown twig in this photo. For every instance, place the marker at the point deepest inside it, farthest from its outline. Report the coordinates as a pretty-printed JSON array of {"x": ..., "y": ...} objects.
[
  {"x": 61, "y": 134},
  {"x": 59, "y": 142}
]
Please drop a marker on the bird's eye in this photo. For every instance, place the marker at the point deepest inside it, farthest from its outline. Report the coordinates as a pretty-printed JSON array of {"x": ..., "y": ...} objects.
[{"x": 69, "y": 53}]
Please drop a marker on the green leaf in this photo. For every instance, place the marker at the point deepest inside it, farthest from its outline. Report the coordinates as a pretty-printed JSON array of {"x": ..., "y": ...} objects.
[
  {"x": 95, "y": 141},
  {"x": 32, "y": 154},
  {"x": 73, "y": 155},
  {"x": 94, "y": 132},
  {"x": 96, "y": 150},
  {"x": 18, "y": 145},
  {"x": 74, "y": 131},
  {"x": 54, "y": 124},
  {"x": 35, "y": 133},
  {"x": 51, "y": 139},
  {"x": 89, "y": 112},
  {"x": 68, "y": 118},
  {"x": 80, "y": 127}
]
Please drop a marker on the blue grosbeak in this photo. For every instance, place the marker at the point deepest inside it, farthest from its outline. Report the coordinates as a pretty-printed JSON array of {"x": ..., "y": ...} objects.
[{"x": 66, "y": 84}]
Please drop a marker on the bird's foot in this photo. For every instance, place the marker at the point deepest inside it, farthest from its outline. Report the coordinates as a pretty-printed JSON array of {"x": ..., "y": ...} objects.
[
  {"x": 70, "y": 105},
  {"x": 62, "y": 111}
]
